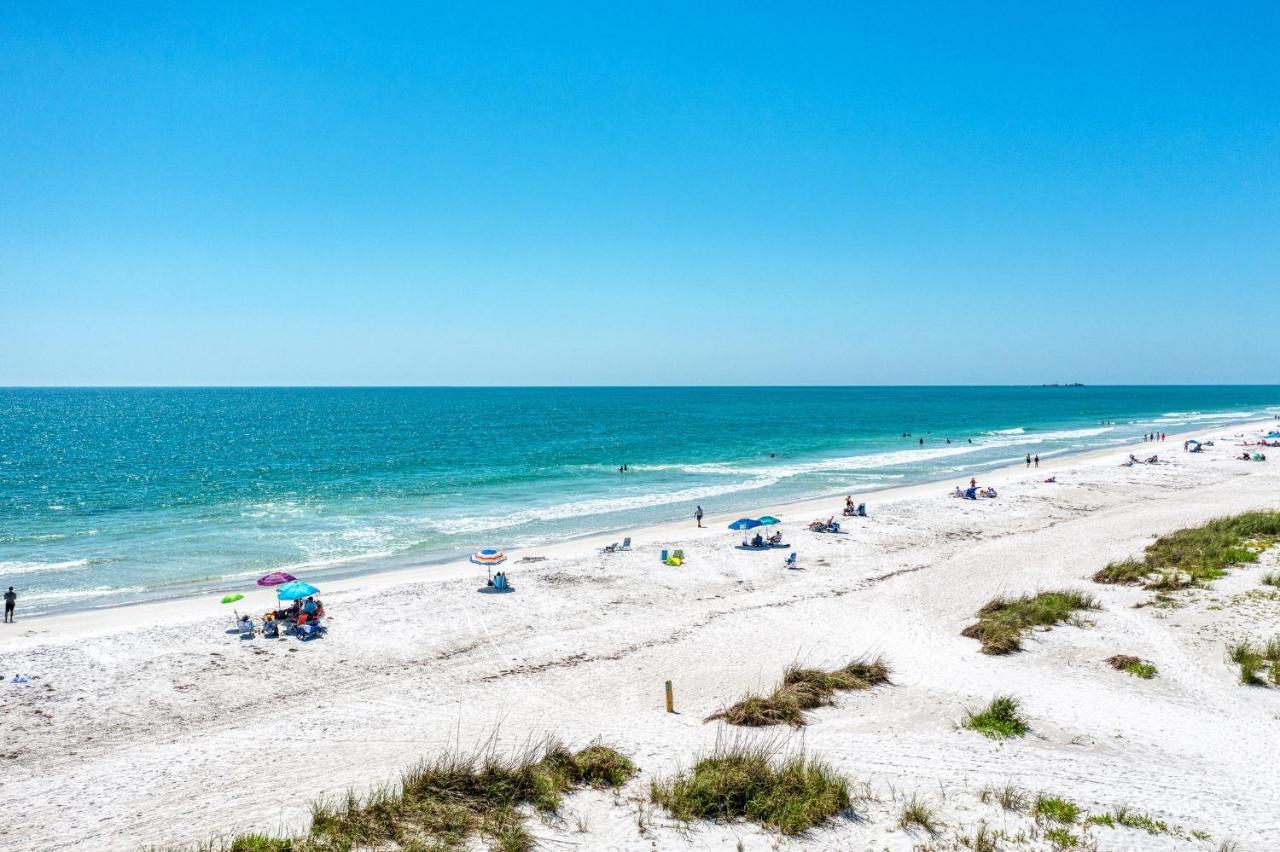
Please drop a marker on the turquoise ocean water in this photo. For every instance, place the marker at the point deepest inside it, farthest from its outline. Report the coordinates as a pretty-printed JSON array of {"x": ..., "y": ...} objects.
[{"x": 110, "y": 496}]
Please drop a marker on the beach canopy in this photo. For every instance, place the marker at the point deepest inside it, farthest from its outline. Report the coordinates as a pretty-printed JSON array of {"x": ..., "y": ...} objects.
[
  {"x": 276, "y": 578},
  {"x": 768, "y": 520},
  {"x": 232, "y": 598},
  {"x": 489, "y": 556},
  {"x": 1273, "y": 434},
  {"x": 744, "y": 524},
  {"x": 295, "y": 589}
]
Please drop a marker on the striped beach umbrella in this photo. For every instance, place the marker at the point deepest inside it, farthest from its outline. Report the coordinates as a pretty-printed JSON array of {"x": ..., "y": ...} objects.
[
  {"x": 276, "y": 578},
  {"x": 488, "y": 556}
]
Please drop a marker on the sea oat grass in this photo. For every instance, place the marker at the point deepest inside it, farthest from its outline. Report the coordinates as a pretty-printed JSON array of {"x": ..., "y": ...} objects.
[
  {"x": 741, "y": 781},
  {"x": 1002, "y": 621},
  {"x": 1197, "y": 555},
  {"x": 1133, "y": 665},
  {"x": 445, "y": 801},
  {"x": 803, "y": 689},
  {"x": 998, "y": 720}
]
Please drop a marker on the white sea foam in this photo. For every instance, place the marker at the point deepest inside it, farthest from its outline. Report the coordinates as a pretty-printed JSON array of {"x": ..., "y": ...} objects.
[{"x": 15, "y": 568}]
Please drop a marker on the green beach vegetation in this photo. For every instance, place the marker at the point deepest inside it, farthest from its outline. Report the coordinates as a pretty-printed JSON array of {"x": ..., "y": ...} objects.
[
  {"x": 744, "y": 781},
  {"x": 999, "y": 720},
  {"x": 1194, "y": 556},
  {"x": 1253, "y": 659},
  {"x": 1133, "y": 665},
  {"x": 1003, "y": 621},
  {"x": 443, "y": 803},
  {"x": 803, "y": 689}
]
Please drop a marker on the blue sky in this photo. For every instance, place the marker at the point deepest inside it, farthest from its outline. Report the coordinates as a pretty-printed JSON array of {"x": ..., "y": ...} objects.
[{"x": 674, "y": 194}]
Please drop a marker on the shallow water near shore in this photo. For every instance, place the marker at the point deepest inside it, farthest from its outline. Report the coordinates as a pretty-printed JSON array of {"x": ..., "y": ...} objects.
[{"x": 109, "y": 496}]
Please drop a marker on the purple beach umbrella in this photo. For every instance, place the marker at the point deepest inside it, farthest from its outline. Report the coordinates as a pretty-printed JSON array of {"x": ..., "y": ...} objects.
[{"x": 276, "y": 578}]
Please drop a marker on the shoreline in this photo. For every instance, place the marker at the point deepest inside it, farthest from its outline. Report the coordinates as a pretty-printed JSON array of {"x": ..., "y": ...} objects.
[
  {"x": 183, "y": 714},
  {"x": 179, "y": 607}
]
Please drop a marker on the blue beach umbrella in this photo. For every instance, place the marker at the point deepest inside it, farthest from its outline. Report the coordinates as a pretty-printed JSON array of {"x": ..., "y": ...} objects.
[
  {"x": 744, "y": 524},
  {"x": 294, "y": 590}
]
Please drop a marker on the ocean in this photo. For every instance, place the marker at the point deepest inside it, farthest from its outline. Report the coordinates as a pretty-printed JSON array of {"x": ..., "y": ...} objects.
[{"x": 111, "y": 496}]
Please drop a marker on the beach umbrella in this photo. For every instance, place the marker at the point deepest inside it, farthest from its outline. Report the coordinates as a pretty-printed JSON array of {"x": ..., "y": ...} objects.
[
  {"x": 276, "y": 578},
  {"x": 744, "y": 524},
  {"x": 294, "y": 590},
  {"x": 232, "y": 598},
  {"x": 769, "y": 520},
  {"x": 488, "y": 556}
]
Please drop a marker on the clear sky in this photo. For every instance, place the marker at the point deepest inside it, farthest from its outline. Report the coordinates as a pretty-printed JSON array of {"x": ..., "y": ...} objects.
[{"x": 677, "y": 193}]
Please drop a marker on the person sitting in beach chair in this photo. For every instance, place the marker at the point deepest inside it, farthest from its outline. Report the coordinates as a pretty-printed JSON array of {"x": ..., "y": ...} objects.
[
  {"x": 245, "y": 625},
  {"x": 500, "y": 582},
  {"x": 959, "y": 492},
  {"x": 775, "y": 539},
  {"x": 270, "y": 627},
  {"x": 862, "y": 510}
]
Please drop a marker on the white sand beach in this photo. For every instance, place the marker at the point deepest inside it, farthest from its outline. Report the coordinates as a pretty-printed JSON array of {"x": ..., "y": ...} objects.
[{"x": 151, "y": 724}]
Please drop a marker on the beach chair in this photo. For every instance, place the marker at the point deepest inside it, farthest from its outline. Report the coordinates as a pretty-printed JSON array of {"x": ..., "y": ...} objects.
[
  {"x": 626, "y": 544},
  {"x": 790, "y": 561},
  {"x": 500, "y": 582},
  {"x": 862, "y": 510},
  {"x": 244, "y": 624},
  {"x": 611, "y": 548},
  {"x": 310, "y": 630},
  {"x": 662, "y": 557}
]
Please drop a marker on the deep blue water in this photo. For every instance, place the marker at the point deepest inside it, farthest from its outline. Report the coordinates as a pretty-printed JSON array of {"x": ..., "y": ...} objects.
[{"x": 115, "y": 495}]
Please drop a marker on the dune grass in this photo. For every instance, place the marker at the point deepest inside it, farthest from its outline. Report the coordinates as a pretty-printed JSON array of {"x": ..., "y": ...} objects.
[
  {"x": 1133, "y": 665},
  {"x": 1197, "y": 555},
  {"x": 918, "y": 814},
  {"x": 1060, "y": 838},
  {"x": 1008, "y": 797},
  {"x": 1055, "y": 809},
  {"x": 444, "y": 803},
  {"x": 803, "y": 689},
  {"x": 999, "y": 720},
  {"x": 1253, "y": 659},
  {"x": 1002, "y": 621},
  {"x": 1271, "y": 578},
  {"x": 457, "y": 795},
  {"x": 738, "y": 780}
]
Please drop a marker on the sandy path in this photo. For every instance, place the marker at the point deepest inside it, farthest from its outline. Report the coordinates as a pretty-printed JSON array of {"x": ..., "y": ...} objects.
[{"x": 148, "y": 724}]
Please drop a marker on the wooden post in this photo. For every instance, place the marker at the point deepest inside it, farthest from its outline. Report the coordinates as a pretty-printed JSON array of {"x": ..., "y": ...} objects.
[{"x": 670, "y": 703}]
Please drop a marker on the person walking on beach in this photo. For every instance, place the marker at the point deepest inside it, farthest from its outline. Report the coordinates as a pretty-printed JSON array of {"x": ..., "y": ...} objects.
[
  {"x": 1037, "y": 459},
  {"x": 1028, "y": 459},
  {"x": 697, "y": 514},
  {"x": 10, "y": 601}
]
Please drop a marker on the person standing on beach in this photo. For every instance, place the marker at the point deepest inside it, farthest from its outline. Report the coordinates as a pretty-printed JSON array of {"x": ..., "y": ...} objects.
[
  {"x": 922, "y": 442},
  {"x": 10, "y": 601},
  {"x": 1028, "y": 459},
  {"x": 697, "y": 515},
  {"x": 1037, "y": 459}
]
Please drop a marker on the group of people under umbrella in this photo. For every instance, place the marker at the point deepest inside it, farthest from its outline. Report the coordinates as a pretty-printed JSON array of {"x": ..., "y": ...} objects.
[
  {"x": 759, "y": 540},
  {"x": 298, "y": 610}
]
